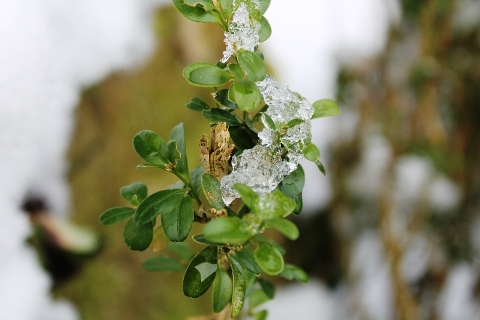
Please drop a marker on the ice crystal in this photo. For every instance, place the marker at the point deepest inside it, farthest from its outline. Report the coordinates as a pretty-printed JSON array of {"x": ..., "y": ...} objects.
[
  {"x": 243, "y": 32},
  {"x": 267, "y": 136},
  {"x": 261, "y": 168},
  {"x": 284, "y": 104}
]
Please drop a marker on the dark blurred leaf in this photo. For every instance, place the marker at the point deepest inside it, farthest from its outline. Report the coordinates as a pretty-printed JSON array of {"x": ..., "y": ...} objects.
[
  {"x": 163, "y": 264},
  {"x": 219, "y": 115},
  {"x": 239, "y": 285},
  {"x": 222, "y": 290}
]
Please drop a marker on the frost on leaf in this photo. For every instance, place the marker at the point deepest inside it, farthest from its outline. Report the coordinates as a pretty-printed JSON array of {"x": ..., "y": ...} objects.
[{"x": 243, "y": 32}]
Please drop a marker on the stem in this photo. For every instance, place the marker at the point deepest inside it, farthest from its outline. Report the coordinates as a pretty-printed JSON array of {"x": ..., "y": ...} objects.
[{"x": 188, "y": 184}]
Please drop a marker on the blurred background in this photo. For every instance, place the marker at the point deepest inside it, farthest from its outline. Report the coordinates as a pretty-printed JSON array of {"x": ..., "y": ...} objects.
[{"x": 392, "y": 231}]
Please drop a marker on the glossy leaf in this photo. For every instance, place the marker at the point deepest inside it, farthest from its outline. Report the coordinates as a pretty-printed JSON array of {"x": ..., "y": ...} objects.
[
  {"x": 181, "y": 249},
  {"x": 321, "y": 167},
  {"x": 163, "y": 264},
  {"x": 267, "y": 287},
  {"x": 207, "y": 5},
  {"x": 273, "y": 205},
  {"x": 252, "y": 64},
  {"x": 269, "y": 258},
  {"x": 286, "y": 227},
  {"x": 138, "y": 238},
  {"x": 197, "y": 104},
  {"x": 243, "y": 138},
  {"x": 178, "y": 135},
  {"x": 291, "y": 272},
  {"x": 116, "y": 215},
  {"x": 177, "y": 218},
  {"x": 206, "y": 75},
  {"x": 199, "y": 238},
  {"x": 213, "y": 193},
  {"x": 148, "y": 146},
  {"x": 222, "y": 290},
  {"x": 196, "y": 178},
  {"x": 325, "y": 108},
  {"x": 236, "y": 70},
  {"x": 311, "y": 152},
  {"x": 196, "y": 14},
  {"x": 257, "y": 298},
  {"x": 157, "y": 202},
  {"x": 200, "y": 273},
  {"x": 265, "y": 30},
  {"x": 292, "y": 186},
  {"x": 219, "y": 115},
  {"x": 261, "y": 315},
  {"x": 134, "y": 193},
  {"x": 248, "y": 261},
  {"x": 221, "y": 96},
  {"x": 249, "y": 196},
  {"x": 239, "y": 285},
  {"x": 230, "y": 230},
  {"x": 245, "y": 94}
]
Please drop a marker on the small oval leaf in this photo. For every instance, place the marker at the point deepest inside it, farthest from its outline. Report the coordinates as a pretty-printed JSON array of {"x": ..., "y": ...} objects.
[
  {"x": 206, "y": 75},
  {"x": 286, "y": 227},
  {"x": 138, "y": 238},
  {"x": 311, "y": 152},
  {"x": 213, "y": 193},
  {"x": 197, "y": 104},
  {"x": 200, "y": 273},
  {"x": 229, "y": 230},
  {"x": 138, "y": 189},
  {"x": 157, "y": 202},
  {"x": 248, "y": 261},
  {"x": 148, "y": 146},
  {"x": 116, "y": 215},
  {"x": 269, "y": 258},
  {"x": 245, "y": 94},
  {"x": 196, "y": 14},
  {"x": 265, "y": 30},
  {"x": 325, "y": 108},
  {"x": 291, "y": 272},
  {"x": 222, "y": 290},
  {"x": 239, "y": 285},
  {"x": 252, "y": 64}
]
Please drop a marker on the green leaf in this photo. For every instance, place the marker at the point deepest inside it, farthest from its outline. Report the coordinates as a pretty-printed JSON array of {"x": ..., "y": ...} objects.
[
  {"x": 261, "y": 315},
  {"x": 248, "y": 261},
  {"x": 177, "y": 218},
  {"x": 196, "y": 14},
  {"x": 239, "y": 285},
  {"x": 181, "y": 249},
  {"x": 116, "y": 215},
  {"x": 137, "y": 190},
  {"x": 197, "y": 104},
  {"x": 245, "y": 94},
  {"x": 213, "y": 193},
  {"x": 204, "y": 74},
  {"x": 294, "y": 122},
  {"x": 200, "y": 273},
  {"x": 222, "y": 290},
  {"x": 229, "y": 230},
  {"x": 156, "y": 203},
  {"x": 196, "y": 178},
  {"x": 148, "y": 146},
  {"x": 243, "y": 138},
  {"x": 264, "y": 4},
  {"x": 325, "y": 108},
  {"x": 292, "y": 186},
  {"x": 249, "y": 196},
  {"x": 138, "y": 238},
  {"x": 267, "y": 287},
  {"x": 265, "y": 29},
  {"x": 219, "y": 115},
  {"x": 267, "y": 121},
  {"x": 178, "y": 135},
  {"x": 321, "y": 167},
  {"x": 163, "y": 264},
  {"x": 227, "y": 8},
  {"x": 252, "y": 64},
  {"x": 221, "y": 96},
  {"x": 291, "y": 272},
  {"x": 286, "y": 227},
  {"x": 311, "y": 152},
  {"x": 273, "y": 205},
  {"x": 207, "y": 5},
  {"x": 269, "y": 258},
  {"x": 257, "y": 298},
  {"x": 199, "y": 238},
  {"x": 236, "y": 71}
]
